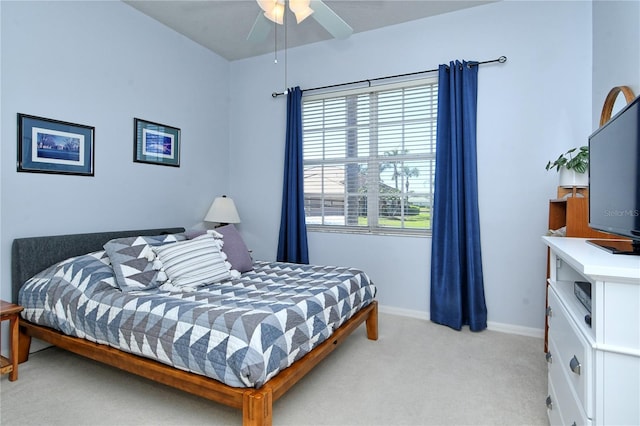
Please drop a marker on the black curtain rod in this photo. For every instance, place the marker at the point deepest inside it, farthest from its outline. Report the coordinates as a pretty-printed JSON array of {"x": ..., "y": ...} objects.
[{"x": 501, "y": 59}]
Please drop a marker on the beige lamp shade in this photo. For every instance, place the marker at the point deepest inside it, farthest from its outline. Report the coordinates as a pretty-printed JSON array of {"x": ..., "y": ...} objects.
[{"x": 222, "y": 210}]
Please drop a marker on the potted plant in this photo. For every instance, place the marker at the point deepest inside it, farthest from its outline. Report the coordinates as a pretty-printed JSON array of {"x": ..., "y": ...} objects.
[{"x": 572, "y": 166}]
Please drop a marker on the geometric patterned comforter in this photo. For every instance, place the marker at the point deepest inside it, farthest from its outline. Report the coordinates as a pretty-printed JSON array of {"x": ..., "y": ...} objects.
[{"x": 240, "y": 332}]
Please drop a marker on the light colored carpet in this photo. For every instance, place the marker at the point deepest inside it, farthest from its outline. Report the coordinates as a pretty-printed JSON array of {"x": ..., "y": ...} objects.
[{"x": 417, "y": 373}]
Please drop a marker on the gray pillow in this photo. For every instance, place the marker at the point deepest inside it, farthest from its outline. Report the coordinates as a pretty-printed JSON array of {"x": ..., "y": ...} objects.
[
  {"x": 194, "y": 233},
  {"x": 235, "y": 249}
]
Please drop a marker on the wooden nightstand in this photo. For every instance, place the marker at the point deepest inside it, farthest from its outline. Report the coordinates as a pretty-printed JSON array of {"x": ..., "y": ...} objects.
[{"x": 9, "y": 311}]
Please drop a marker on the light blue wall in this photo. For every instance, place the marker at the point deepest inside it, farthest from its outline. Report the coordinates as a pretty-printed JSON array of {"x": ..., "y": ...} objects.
[
  {"x": 616, "y": 51},
  {"x": 530, "y": 109},
  {"x": 102, "y": 63}
]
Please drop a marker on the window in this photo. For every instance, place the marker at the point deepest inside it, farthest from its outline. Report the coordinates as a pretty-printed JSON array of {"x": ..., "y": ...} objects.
[{"x": 369, "y": 158}]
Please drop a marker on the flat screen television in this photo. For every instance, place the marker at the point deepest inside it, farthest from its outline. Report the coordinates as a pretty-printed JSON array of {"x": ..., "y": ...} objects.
[{"x": 614, "y": 180}]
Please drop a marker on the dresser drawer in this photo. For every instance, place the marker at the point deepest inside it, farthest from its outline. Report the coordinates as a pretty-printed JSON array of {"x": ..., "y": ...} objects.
[
  {"x": 563, "y": 404},
  {"x": 553, "y": 406},
  {"x": 571, "y": 353}
]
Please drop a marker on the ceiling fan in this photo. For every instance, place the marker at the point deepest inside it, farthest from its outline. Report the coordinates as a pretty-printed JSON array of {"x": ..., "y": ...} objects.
[{"x": 273, "y": 12}]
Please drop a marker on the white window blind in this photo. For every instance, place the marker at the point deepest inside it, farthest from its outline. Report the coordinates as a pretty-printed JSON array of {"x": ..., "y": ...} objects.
[{"x": 369, "y": 158}]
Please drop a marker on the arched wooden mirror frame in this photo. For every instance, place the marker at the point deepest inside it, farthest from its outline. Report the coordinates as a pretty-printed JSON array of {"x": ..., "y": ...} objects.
[{"x": 610, "y": 100}]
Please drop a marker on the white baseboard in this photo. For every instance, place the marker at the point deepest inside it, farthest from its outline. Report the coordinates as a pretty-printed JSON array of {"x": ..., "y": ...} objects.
[
  {"x": 491, "y": 325},
  {"x": 515, "y": 329},
  {"x": 404, "y": 312}
]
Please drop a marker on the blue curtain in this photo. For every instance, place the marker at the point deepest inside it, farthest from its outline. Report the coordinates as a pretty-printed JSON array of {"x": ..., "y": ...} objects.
[
  {"x": 292, "y": 243},
  {"x": 457, "y": 287}
]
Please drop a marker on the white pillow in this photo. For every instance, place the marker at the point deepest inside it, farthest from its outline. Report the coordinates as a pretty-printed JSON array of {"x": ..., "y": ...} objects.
[{"x": 193, "y": 262}]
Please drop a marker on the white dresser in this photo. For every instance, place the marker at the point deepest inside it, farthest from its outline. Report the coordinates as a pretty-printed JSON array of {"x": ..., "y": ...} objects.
[{"x": 594, "y": 370}]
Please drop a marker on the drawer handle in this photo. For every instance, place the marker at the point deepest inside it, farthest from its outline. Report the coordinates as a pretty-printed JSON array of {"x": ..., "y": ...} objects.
[
  {"x": 548, "y": 357},
  {"x": 549, "y": 311},
  {"x": 549, "y": 403},
  {"x": 574, "y": 364}
]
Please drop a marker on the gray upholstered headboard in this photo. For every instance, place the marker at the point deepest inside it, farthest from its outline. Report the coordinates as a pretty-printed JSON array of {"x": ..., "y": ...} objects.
[{"x": 34, "y": 254}]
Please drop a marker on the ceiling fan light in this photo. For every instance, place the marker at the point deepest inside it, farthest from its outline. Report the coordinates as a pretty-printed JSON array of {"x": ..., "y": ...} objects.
[
  {"x": 303, "y": 14},
  {"x": 275, "y": 14},
  {"x": 298, "y": 5},
  {"x": 267, "y": 5},
  {"x": 301, "y": 9}
]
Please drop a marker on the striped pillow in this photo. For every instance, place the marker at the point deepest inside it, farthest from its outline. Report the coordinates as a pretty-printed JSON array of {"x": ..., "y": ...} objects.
[{"x": 193, "y": 262}]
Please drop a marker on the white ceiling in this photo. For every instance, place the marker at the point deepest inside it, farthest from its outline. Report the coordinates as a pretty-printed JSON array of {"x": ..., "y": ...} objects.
[{"x": 223, "y": 25}]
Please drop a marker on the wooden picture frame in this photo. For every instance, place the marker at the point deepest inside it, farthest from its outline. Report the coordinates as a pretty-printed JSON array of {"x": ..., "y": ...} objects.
[{"x": 52, "y": 146}]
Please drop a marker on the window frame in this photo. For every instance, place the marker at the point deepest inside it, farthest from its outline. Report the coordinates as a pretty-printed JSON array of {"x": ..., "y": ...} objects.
[{"x": 375, "y": 162}]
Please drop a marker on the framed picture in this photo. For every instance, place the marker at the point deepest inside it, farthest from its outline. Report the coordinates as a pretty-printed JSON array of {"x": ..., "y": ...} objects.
[
  {"x": 155, "y": 143},
  {"x": 52, "y": 146}
]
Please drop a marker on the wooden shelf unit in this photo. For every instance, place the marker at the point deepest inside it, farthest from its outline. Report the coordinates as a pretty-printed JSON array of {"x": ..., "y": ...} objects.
[{"x": 571, "y": 209}]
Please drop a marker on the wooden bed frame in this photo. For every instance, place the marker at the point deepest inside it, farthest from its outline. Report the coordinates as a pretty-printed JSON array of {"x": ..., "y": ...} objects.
[{"x": 31, "y": 255}]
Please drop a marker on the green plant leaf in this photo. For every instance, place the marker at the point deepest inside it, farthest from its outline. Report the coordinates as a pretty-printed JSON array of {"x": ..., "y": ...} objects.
[{"x": 578, "y": 162}]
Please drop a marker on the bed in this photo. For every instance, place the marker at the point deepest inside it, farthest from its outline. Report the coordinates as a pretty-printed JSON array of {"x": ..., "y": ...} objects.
[{"x": 245, "y": 378}]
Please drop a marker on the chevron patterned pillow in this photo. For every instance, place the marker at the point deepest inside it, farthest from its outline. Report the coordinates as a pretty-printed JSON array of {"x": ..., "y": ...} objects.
[{"x": 132, "y": 260}]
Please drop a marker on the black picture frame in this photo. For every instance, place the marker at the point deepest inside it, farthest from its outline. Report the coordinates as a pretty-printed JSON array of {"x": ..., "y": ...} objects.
[
  {"x": 52, "y": 146},
  {"x": 155, "y": 143}
]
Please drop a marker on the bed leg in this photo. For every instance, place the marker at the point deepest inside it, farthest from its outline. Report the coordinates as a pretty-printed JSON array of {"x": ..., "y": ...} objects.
[
  {"x": 24, "y": 344},
  {"x": 372, "y": 322},
  {"x": 257, "y": 407}
]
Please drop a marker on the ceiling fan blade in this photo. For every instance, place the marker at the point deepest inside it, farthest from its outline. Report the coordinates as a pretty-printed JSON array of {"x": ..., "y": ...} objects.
[
  {"x": 260, "y": 30},
  {"x": 330, "y": 20}
]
